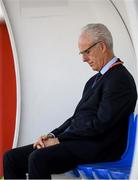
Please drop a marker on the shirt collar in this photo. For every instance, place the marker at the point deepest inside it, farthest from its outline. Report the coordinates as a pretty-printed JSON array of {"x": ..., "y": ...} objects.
[{"x": 108, "y": 65}]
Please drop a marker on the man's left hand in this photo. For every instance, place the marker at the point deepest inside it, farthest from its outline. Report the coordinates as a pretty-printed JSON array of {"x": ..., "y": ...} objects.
[{"x": 51, "y": 142}]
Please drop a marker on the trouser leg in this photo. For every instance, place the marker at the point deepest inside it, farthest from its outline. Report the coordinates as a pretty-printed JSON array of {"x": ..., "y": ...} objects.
[
  {"x": 15, "y": 162},
  {"x": 51, "y": 160}
]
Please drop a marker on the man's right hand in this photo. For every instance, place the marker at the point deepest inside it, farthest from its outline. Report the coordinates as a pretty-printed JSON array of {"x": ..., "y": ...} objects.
[{"x": 40, "y": 142}]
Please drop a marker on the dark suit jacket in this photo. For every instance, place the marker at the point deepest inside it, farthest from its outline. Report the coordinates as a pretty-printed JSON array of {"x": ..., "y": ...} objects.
[{"x": 98, "y": 129}]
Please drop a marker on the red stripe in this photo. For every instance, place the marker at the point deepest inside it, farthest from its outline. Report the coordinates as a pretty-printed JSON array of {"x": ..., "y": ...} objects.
[{"x": 7, "y": 93}]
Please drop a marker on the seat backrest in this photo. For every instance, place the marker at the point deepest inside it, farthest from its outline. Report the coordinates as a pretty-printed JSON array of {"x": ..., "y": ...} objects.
[{"x": 128, "y": 154}]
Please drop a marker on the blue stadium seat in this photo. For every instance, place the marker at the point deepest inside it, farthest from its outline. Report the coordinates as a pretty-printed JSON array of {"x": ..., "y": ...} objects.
[
  {"x": 123, "y": 173},
  {"x": 109, "y": 170}
]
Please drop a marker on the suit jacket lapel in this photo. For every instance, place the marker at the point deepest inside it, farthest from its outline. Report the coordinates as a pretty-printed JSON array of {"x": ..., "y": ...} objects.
[{"x": 87, "y": 93}]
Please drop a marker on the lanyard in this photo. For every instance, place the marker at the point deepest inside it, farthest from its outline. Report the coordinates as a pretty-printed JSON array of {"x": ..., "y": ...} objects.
[{"x": 113, "y": 65}]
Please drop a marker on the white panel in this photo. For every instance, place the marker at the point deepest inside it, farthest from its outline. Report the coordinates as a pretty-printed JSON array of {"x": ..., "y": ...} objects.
[
  {"x": 1, "y": 13},
  {"x": 43, "y": 8},
  {"x": 52, "y": 73},
  {"x": 42, "y": 3}
]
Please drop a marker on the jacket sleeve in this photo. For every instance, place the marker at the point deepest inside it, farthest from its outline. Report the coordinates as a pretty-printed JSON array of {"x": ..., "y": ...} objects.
[{"x": 62, "y": 128}]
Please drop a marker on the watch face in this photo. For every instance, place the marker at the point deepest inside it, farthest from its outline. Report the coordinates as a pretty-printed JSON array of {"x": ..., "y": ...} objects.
[{"x": 50, "y": 135}]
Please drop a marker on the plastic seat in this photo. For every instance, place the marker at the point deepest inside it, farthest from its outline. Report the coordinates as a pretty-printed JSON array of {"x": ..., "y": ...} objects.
[
  {"x": 111, "y": 173},
  {"x": 120, "y": 174},
  {"x": 101, "y": 173},
  {"x": 123, "y": 170},
  {"x": 89, "y": 170}
]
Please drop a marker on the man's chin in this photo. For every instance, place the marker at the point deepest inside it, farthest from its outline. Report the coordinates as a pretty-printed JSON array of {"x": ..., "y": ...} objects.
[{"x": 93, "y": 68}]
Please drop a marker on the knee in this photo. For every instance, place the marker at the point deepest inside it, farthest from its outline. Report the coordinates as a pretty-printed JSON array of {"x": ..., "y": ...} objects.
[
  {"x": 8, "y": 155},
  {"x": 35, "y": 157},
  {"x": 38, "y": 158},
  {"x": 35, "y": 162},
  {"x": 38, "y": 165}
]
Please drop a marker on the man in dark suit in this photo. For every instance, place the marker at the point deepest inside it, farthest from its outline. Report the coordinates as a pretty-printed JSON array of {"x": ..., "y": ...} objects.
[{"x": 97, "y": 131}]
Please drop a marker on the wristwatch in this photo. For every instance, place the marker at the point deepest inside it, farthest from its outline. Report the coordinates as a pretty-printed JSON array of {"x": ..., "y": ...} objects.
[{"x": 50, "y": 135}]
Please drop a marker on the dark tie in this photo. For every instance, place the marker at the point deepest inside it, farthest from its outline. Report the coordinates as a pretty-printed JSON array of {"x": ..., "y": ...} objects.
[{"x": 96, "y": 79}]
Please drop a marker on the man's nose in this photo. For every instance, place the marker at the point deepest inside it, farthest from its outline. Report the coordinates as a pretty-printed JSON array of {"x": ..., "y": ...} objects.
[{"x": 85, "y": 58}]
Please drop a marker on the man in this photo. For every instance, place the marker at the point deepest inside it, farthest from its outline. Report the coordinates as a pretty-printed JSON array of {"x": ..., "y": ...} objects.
[{"x": 97, "y": 131}]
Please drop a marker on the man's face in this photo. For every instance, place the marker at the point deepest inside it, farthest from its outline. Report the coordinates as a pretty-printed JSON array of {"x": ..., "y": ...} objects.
[{"x": 91, "y": 52}]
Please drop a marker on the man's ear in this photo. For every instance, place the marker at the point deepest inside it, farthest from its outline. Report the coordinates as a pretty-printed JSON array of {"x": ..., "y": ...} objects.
[{"x": 103, "y": 47}]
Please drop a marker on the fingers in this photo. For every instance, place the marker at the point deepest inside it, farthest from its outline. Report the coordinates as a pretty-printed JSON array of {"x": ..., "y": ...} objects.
[
  {"x": 51, "y": 142},
  {"x": 44, "y": 138},
  {"x": 40, "y": 142},
  {"x": 38, "y": 147},
  {"x": 44, "y": 141}
]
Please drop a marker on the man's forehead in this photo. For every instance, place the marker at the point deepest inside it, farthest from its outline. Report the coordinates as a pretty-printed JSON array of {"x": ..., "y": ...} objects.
[{"x": 85, "y": 39}]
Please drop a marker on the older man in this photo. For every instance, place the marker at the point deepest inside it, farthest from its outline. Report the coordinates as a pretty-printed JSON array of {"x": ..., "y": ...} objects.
[{"x": 97, "y": 131}]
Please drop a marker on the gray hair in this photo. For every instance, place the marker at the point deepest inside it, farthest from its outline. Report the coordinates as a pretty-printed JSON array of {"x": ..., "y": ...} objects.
[{"x": 99, "y": 32}]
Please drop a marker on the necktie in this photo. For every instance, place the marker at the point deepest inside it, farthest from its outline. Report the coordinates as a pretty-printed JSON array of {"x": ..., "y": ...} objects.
[{"x": 96, "y": 79}]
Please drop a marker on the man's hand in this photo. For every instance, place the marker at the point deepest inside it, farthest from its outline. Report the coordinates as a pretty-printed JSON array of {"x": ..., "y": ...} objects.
[
  {"x": 40, "y": 142},
  {"x": 45, "y": 141},
  {"x": 51, "y": 142}
]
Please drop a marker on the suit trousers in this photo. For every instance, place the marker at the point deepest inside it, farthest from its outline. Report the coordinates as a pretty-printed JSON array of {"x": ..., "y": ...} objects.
[{"x": 39, "y": 163}]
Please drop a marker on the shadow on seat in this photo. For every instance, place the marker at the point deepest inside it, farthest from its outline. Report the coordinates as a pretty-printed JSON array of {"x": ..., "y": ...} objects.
[{"x": 113, "y": 170}]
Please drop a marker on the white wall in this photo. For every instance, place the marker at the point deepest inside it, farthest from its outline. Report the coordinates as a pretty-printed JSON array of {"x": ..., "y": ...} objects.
[{"x": 52, "y": 73}]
